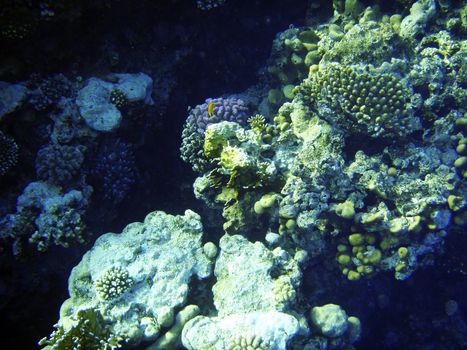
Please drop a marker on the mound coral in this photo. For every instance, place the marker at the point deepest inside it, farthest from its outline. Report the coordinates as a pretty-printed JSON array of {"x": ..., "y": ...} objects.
[
  {"x": 59, "y": 164},
  {"x": 363, "y": 101}
]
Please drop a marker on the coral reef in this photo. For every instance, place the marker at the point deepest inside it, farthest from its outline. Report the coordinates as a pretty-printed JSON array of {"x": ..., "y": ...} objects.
[
  {"x": 374, "y": 104},
  {"x": 97, "y": 100},
  {"x": 207, "y": 5},
  {"x": 254, "y": 330},
  {"x": 358, "y": 169},
  {"x": 137, "y": 279},
  {"x": 8, "y": 153},
  {"x": 420, "y": 13},
  {"x": 250, "y": 342},
  {"x": 238, "y": 290},
  {"x": 300, "y": 182},
  {"x": 87, "y": 330},
  {"x": 11, "y": 97},
  {"x": 48, "y": 216},
  {"x": 332, "y": 321},
  {"x": 114, "y": 169},
  {"x": 113, "y": 283},
  {"x": 59, "y": 164},
  {"x": 46, "y": 92},
  {"x": 210, "y": 112}
]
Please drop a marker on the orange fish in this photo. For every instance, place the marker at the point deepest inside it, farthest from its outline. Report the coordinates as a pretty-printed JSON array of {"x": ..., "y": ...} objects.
[{"x": 210, "y": 109}]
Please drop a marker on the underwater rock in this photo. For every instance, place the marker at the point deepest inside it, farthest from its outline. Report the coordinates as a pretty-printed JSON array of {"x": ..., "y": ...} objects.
[
  {"x": 248, "y": 296},
  {"x": 420, "y": 13},
  {"x": 135, "y": 87},
  {"x": 138, "y": 278},
  {"x": 255, "y": 330},
  {"x": 95, "y": 104},
  {"x": 244, "y": 281},
  {"x": 172, "y": 338},
  {"x": 95, "y": 107},
  {"x": 331, "y": 321},
  {"x": 11, "y": 97}
]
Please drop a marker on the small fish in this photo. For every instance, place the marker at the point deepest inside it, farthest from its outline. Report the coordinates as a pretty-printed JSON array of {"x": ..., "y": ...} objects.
[{"x": 210, "y": 109}]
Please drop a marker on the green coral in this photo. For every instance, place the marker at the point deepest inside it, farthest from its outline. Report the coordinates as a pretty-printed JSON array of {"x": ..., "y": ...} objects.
[
  {"x": 113, "y": 283},
  {"x": 238, "y": 214},
  {"x": 238, "y": 154},
  {"x": 88, "y": 330},
  {"x": 242, "y": 169},
  {"x": 376, "y": 104},
  {"x": 294, "y": 50},
  {"x": 257, "y": 123},
  {"x": 264, "y": 130},
  {"x": 217, "y": 136},
  {"x": 250, "y": 342}
]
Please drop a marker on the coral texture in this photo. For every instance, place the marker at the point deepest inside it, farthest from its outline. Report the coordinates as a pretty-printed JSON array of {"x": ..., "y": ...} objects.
[
  {"x": 200, "y": 117},
  {"x": 8, "y": 153}
]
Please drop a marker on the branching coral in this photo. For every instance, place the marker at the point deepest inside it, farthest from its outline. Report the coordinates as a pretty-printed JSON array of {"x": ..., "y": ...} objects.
[
  {"x": 89, "y": 330},
  {"x": 46, "y": 92},
  {"x": 113, "y": 283}
]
